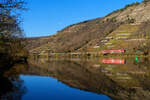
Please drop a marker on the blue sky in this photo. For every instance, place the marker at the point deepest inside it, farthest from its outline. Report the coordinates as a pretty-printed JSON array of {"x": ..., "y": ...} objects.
[{"x": 46, "y": 17}]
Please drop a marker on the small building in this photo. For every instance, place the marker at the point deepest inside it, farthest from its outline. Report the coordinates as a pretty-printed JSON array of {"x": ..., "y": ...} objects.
[
  {"x": 96, "y": 47},
  {"x": 109, "y": 37}
]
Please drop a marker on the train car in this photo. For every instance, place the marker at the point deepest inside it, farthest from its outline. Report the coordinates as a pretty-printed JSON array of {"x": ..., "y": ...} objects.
[{"x": 113, "y": 51}]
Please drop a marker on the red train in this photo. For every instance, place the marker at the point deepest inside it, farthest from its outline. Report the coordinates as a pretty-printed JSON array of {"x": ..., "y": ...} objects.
[{"x": 114, "y": 51}]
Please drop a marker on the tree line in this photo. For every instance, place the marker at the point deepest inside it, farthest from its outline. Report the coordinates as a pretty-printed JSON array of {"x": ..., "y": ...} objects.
[{"x": 11, "y": 34}]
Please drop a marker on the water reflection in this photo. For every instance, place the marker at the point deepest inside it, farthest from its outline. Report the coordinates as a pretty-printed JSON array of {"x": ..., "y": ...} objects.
[
  {"x": 51, "y": 89},
  {"x": 11, "y": 88},
  {"x": 128, "y": 81},
  {"x": 113, "y": 61}
]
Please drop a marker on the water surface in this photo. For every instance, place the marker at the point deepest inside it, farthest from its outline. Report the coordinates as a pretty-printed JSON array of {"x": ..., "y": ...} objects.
[
  {"x": 78, "y": 79},
  {"x": 47, "y": 88}
]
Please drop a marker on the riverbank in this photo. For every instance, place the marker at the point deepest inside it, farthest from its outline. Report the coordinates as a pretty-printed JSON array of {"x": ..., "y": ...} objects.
[
  {"x": 85, "y": 55},
  {"x": 7, "y": 61}
]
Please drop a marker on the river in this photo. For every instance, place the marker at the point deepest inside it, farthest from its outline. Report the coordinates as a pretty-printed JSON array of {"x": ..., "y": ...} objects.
[{"x": 78, "y": 79}]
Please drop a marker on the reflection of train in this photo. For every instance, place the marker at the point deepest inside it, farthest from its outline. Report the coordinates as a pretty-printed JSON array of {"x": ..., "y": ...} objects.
[
  {"x": 113, "y": 61},
  {"x": 113, "y": 51}
]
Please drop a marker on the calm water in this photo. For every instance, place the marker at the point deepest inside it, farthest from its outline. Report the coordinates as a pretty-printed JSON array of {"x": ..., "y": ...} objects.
[
  {"x": 76, "y": 79},
  {"x": 47, "y": 88}
]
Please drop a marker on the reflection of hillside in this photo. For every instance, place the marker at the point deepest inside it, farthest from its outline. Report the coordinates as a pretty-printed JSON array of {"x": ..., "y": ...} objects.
[
  {"x": 126, "y": 75},
  {"x": 121, "y": 82}
]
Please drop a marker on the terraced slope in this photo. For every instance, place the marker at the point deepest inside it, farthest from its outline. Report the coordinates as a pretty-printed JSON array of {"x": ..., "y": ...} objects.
[{"x": 120, "y": 38}]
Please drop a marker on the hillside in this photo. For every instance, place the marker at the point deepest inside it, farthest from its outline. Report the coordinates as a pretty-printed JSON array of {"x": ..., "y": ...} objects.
[{"x": 127, "y": 28}]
